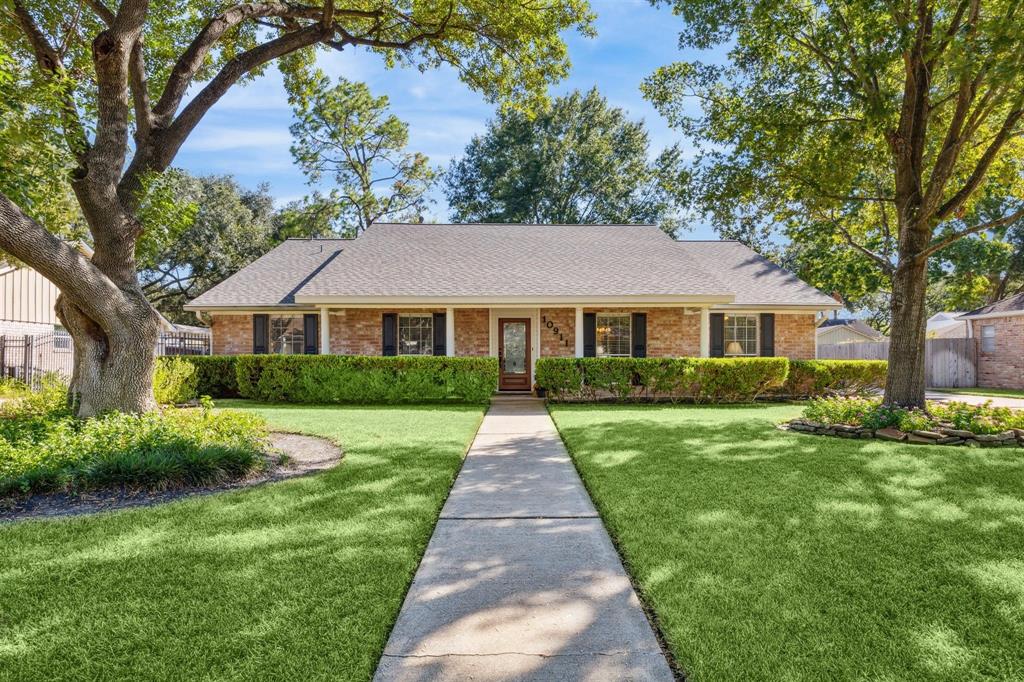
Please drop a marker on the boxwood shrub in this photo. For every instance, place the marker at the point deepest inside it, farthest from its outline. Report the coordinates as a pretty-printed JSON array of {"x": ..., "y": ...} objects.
[
  {"x": 712, "y": 380},
  {"x": 215, "y": 375},
  {"x": 363, "y": 379},
  {"x": 815, "y": 378}
]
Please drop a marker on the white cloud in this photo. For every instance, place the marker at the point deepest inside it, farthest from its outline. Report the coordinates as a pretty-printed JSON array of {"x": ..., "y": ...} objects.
[{"x": 221, "y": 138}]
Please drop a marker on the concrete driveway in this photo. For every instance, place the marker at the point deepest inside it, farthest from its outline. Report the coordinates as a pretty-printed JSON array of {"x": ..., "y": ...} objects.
[{"x": 997, "y": 401}]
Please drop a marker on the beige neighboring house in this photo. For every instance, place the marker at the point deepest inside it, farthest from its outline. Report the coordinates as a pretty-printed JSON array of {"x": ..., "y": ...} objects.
[
  {"x": 998, "y": 330},
  {"x": 27, "y": 299},
  {"x": 837, "y": 331},
  {"x": 947, "y": 325},
  {"x": 515, "y": 292}
]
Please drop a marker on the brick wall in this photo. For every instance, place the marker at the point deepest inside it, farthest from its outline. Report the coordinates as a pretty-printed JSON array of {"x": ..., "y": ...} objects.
[
  {"x": 357, "y": 331},
  {"x": 794, "y": 336},
  {"x": 1003, "y": 368},
  {"x": 472, "y": 332},
  {"x": 232, "y": 334},
  {"x": 9, "y": 328},
  {"x": 563, "y": 343}
]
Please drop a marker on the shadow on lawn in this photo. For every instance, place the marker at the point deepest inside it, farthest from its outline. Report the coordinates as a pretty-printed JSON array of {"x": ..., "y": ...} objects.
[
  {"x": 298, "y": 579},
  {"x": 769, "y": 554}
]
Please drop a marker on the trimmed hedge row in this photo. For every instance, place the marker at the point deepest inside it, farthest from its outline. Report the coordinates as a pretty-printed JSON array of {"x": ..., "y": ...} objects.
[
  {"x": 347, "y": 379},
  {"x": 713, "y": 380},
  {"x": 817, "y": 378},
  {"x": 704, "y": 380}
]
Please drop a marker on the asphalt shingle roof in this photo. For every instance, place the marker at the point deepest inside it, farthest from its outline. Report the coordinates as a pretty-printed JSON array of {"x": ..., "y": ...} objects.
[
  {"x": 1011, "y": 304},
  {"x": 272, "y": 279},
  {"x": 754, "y": 280},
  {"x": 401, "y": 260},
  {"x": 510, "y": 261}
]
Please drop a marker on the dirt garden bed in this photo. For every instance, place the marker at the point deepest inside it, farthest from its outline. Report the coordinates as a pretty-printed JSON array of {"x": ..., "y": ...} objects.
[{"x": 293, "y": 455}]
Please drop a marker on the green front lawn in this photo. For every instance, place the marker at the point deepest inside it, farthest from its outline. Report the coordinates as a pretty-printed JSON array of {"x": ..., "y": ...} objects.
[
  {"x": 995, "y": 392},
  {"x": 300, "y": 579},
  {"x": 769, "y": 555}
]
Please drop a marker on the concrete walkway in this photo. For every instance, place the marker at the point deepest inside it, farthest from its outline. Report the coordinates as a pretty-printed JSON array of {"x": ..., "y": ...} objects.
[
  {"x": 997, "y": 400},
  {"x": 520, "y": 580}
]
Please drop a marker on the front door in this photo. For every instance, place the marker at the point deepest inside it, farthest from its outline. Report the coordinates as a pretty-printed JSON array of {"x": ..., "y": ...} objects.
[{"x": 514, "y": 354}]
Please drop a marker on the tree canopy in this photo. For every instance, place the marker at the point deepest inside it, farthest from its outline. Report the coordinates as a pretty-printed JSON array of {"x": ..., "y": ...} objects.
[
  {"x": 577, "y": 161},
  {"x": 345, "y": 133},
  {"x": 126, "y": 83},
  {"x": 870, "y": 133}
]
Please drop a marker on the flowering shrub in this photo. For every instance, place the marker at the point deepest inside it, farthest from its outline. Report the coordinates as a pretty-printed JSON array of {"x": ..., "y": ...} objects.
[{"x": 871, "y": 413}]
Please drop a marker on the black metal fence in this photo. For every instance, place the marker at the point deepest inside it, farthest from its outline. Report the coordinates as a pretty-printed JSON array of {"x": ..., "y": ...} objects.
[{"x": 31, "y": 357}]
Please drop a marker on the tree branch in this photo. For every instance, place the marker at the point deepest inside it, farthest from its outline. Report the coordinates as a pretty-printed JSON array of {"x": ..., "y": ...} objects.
[
  {"x": 960, "y": 234},
  {"x": 881, "y": 261}
]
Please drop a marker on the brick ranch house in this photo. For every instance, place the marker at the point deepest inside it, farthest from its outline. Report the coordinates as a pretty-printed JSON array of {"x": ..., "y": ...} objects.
[
  {"x": 998, "y": 330},
  {"x": 516, "y": 292}
]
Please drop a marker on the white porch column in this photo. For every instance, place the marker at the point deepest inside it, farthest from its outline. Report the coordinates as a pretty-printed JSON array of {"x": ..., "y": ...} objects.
[
  {"x": 449, "y": 331},
  {"x": 705, "y": 332},
  {"x": 577, "y": 333},
  {"x": 325, "y": 332}
]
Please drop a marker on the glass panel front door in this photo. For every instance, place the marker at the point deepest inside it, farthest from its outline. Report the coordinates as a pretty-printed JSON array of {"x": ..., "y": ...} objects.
[{"x": 514, "y": 353}]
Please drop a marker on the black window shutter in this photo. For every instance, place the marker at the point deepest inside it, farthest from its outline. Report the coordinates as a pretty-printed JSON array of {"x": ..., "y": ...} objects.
[
  {"x": 440, "y": 334},
  {"x": 260, "y": 333},
  {"x": 309, "y": 333},
  {"x": 639, "y": 335},
  {"x": 717, "y": 335},
  {"x": 767, "y": 335},
  {"x": 589, "y": 335},
  {"x": 389, "y": 328}
]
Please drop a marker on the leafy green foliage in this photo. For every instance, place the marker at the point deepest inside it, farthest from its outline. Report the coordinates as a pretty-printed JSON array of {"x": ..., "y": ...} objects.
[
  {"x": 199, "y": 231},
  {"x": 55, "y": 451},
  {"x": 872, "y": 414},
  {"x": 367, "y": 380},
  {"x": 578, "y": 161},
  {"x": 346, "y": 133},
  {"x": 215, "y": 375},
  {"x": 811, "y": 378},
  {"x": 705, "y": 380},
  {"x": 175, "y": 381}
]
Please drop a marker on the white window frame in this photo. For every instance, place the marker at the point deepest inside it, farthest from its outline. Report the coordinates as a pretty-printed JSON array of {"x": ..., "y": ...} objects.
[
  {"x": 62, "y": 342},
  {"x": 629, "y": 336},
  {"x": 273, "y": 338},
  {"x": 988, "y": 338},
  {"x": 430, "y": 335},
  {"x": 725, "y": 335}
]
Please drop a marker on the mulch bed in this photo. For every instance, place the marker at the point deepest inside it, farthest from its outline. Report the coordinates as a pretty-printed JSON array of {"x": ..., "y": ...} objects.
[{"x": 304, "y": 455}]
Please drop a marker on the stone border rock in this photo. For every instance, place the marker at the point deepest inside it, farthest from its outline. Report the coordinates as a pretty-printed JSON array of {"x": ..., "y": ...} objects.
[
  {"x": 941, "y": 435},
  {"x": 302, "y": 455}
]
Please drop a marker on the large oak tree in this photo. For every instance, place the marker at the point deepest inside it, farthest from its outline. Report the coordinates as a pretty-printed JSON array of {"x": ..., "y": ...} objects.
[
  {"x": 873, "y": 127},
  {"x": 128, "y": 83}
]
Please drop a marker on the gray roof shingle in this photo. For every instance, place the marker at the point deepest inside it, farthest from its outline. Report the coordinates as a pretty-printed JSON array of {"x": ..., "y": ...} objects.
[
  {"x": 510, "y": 261},
  {"x": 754, "y": 280},
  {"x": 272, "y": 279},
  {"x": 1010, "y": 304}
]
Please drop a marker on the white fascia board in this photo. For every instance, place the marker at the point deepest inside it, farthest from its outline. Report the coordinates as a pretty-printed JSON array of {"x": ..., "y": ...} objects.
[
  {"x": 775, "y": 308},
  {"x": 246, "y": 310}
]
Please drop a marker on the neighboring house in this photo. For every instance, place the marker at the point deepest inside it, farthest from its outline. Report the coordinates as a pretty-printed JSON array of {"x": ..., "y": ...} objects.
[
  {"x": 947, "y": 325},
  {"x": 516, "y": 292},
  {"x": 26, "y": 302},
  {"x": 835, "y": 331},
  {"x": 998, "y": 330}
]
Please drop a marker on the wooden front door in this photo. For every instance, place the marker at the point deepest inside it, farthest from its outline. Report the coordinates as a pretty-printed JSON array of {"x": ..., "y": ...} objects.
[{"x": 514, "y": 354}]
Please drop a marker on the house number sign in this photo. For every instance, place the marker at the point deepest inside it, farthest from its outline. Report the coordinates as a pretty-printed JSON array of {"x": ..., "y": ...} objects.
[{"x": 553, "y": 328}]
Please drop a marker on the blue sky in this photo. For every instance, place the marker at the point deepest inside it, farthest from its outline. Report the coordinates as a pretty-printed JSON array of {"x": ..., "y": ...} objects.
[{"x": 246, "y": 133}]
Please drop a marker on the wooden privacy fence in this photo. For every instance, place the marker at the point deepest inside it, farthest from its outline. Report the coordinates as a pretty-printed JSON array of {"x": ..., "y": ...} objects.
[
  {"x": 30, "y": 358},
  {"x": 949, "y": 363}
]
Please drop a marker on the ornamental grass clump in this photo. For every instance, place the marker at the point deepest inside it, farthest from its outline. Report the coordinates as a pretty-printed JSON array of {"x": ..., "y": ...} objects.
[
  {"x": 44, "y": 448},
  {"x": 872, "y": 414}
]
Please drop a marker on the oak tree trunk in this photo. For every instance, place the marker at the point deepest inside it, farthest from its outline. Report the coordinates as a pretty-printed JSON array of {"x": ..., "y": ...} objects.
[{"x": 905, "y": 380}]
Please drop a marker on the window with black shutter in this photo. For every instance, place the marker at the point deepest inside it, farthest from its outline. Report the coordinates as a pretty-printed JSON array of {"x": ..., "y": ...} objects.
[
  {"x": 717, "y": 334},
  {"x": 260, "y": 333},
  {"x": 767, "y": 335},
  {"x": 440, "y": 334},
  {"x": 389, "y": 332},
  {"x": 309, "y": 333},
  {"x": 639, "y": 335},
  {"x": 589, "y": 335}
]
